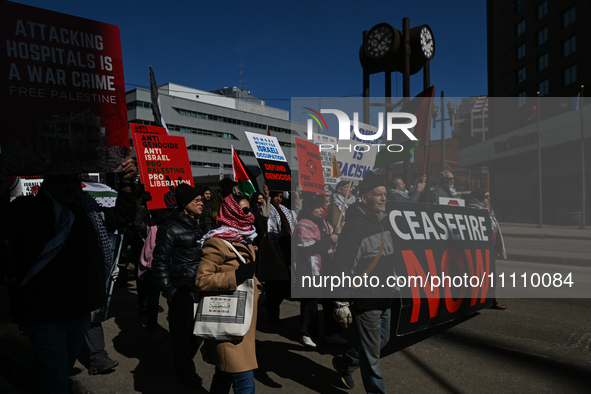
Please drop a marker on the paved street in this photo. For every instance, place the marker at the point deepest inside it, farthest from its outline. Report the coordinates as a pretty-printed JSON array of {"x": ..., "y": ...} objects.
[{"x": 534, "y": 346}]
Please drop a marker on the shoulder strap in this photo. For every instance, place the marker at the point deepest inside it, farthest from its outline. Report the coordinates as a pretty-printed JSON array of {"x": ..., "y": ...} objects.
[
  {"x": 233, "y": 249},
  {"x": 375, "y": 261}
]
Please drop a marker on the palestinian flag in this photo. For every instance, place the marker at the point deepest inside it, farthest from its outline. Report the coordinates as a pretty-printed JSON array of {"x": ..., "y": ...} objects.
[
  {"x": 242, "y": 175},
  {"x": 421, "y": 107}
]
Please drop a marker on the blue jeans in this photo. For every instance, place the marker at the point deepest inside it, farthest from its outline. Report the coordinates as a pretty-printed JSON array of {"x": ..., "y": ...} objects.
[
  {"x": 243, "y": 382},
  {"x": 372, "y": 329},
  {"x": 56, "y": 346}
]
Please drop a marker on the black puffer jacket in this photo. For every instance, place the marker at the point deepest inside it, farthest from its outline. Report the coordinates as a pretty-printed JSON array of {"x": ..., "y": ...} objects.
[{"x": 177, "y": 254}]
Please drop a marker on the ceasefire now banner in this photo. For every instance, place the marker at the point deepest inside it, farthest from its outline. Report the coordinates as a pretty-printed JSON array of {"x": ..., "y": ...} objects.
[
  {"x": 444, "y": 262},
  {"x": 163, "y": 162},
  {"x": 63, "y": 91}
]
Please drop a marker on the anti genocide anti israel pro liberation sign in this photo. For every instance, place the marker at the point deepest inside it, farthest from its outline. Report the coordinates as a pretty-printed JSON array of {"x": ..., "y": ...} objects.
[
  {"x": 63, "y": 93},
  {"x": 163, "y": 161}
]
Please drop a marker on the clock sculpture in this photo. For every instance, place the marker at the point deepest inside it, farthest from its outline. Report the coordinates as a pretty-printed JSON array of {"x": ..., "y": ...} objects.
[{"x": 383, "y": 49}]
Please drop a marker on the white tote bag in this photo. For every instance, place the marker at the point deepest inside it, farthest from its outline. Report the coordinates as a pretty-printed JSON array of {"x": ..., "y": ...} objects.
[{"x": 226, "y": 316}]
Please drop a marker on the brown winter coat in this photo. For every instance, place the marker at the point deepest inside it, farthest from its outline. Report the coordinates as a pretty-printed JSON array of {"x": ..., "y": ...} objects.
[{"x": 216, "y": 273}]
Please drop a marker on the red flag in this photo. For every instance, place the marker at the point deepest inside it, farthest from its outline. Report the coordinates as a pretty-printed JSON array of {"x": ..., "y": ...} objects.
[{"x": 268, "y": 134}]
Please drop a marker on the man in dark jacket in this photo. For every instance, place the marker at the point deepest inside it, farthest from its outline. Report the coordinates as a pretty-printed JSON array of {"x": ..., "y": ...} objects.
[
  {"x": 363, "y": 249},
  {"x": 445, "y": 189},
  {"x": 174, "y": 265},
  {"x": 62, "y": 254},
  {"x": 400, "y": 194}
]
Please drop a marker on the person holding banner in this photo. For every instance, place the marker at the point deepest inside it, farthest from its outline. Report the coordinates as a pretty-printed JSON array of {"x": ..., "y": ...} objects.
[
  {"x": 221, "y": 270},
  {"x": 445, "y": 189},
  {"x": 339, "y": 204},
  {"x": 480, "y": 199},
  {"x": 364, "y": 247},
  {"x": 64, "y": 256},
  {"x": 174, "y": 264},
  {"x": 400, "y": 194}
]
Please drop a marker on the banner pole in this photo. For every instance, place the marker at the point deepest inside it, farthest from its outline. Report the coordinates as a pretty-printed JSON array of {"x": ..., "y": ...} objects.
[{"x": 345, "y": 203}]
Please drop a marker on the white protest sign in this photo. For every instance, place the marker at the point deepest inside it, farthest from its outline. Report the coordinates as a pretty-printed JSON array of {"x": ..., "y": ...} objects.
[
  {"x": 326, "y": 156},
  {"x": 265, "y": 147},
  {"x": 355, "y": 156}
]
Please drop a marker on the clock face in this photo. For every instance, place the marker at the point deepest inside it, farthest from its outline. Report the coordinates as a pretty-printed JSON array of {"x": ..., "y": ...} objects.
[
  {"x": 379, "y": 41},
  {"x": 427, "y": 43}
]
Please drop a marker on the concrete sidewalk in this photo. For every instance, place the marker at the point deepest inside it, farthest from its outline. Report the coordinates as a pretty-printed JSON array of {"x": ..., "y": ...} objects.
[
  {"x": 546, "y": 231},
  {"x": 549, "y": 244}
]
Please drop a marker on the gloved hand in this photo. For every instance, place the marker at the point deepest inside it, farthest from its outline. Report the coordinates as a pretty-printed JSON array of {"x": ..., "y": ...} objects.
[
  {"x": 342, "y": 313},
  {"x": 245, "y": 271}
]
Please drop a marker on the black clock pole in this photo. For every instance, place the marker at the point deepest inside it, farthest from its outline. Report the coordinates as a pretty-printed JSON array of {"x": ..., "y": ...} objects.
[
  {"x": 426, "y": 85},
  {"x": 406, "y": 82},
  {"x": 365, "y": 88}
]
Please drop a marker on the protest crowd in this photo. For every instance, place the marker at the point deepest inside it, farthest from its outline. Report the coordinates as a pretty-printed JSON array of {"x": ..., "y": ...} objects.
[{"x": 214, "y": 242}]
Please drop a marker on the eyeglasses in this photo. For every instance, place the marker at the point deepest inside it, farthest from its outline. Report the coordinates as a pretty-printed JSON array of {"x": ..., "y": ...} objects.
[
  {"x": 487, "y": 196},
  {"x": 198, "y": 200}
]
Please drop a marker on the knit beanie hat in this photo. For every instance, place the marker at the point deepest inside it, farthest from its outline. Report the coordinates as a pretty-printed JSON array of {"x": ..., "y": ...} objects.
[{"x": 185, "y": 194}]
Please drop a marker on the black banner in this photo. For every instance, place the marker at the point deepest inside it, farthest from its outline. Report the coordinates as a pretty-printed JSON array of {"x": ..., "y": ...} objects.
[
  {"x": 444, "y": 261},
  {"x": 277, "y": 174}
]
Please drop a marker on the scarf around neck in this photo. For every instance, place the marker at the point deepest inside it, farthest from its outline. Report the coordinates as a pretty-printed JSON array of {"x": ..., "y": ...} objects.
[
  {"x": 338, "y": 200},
  {"x": 233, "y": 224},
  {"x": 64, "y": 218}
]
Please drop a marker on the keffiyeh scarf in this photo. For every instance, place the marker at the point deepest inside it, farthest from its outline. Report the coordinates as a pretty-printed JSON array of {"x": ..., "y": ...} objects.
[
  {"x": 64, "y": 218},
  {"x": 338, "y": 200},
  {"x": 474, "y": 203},
  {"x": 286, "y": 213},
  {"x": 308, "y": 233},
  {"x": 233, "y": 224}
]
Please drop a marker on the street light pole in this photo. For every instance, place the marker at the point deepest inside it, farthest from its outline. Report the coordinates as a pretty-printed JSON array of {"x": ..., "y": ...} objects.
[
  {"x": 442, "y": 133},
  {"x": 450, "y": 110}
]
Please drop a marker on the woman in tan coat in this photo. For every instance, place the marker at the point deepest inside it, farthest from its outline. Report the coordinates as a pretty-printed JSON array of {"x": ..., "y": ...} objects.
[{"x": 220, "y": 270}]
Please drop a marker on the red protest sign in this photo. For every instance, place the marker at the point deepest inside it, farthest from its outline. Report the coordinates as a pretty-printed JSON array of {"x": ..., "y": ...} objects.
[
  {"x": 310, "y": 166},
  {"x": 163, "y": 162},
  {"x": 64, "y": 91}
]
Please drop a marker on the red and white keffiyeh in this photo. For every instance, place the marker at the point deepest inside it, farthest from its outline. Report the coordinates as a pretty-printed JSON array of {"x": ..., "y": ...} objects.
[
  {"x": 307, "y": 234},
  {"x": 233, "y": 224}
]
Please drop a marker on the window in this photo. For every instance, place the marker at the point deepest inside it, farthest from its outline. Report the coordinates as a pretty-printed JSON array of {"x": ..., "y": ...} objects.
[
  {"x": 522, "y": 98},
  {"x": 543, "y": 35},
  {"x": 570, "y": 74},
  {"x": 521, "y": 75},
  {"x": 543, "y": 87},
  {"x": 520, "y": 51},
  {"x": 542, "y": 9},
  {"x": 520, "y": 27},
  {"x": 543, "y": 62},
  {"x": 569, "y": 46},
  {"x": 519, "y": 4},
  {"x": 568, "y": 17}
]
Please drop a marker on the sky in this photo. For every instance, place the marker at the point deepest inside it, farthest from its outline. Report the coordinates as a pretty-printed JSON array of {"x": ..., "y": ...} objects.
[{"x": 286, "y": 49}]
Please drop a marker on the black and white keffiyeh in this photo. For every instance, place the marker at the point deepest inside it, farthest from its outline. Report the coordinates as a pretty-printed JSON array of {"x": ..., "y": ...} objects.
[
  {"x": 475, "y": 203},
  {"x": 338, "y": 200},
  {"x": 277, "y": 218},
  {"x": 64, "y": 218}
]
